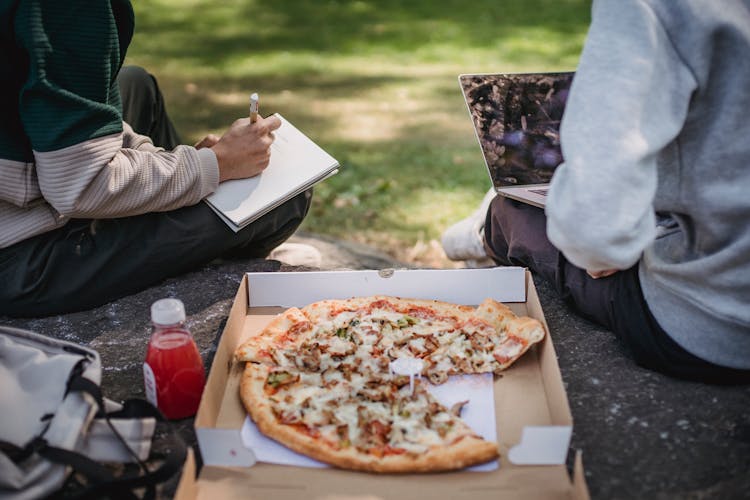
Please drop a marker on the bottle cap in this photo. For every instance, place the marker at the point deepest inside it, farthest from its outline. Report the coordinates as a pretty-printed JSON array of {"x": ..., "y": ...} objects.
[{"x": 167, "y": 312}]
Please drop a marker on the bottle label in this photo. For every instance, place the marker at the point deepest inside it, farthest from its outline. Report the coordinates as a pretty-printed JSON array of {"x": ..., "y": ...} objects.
[{"x": 149, "y": 383}]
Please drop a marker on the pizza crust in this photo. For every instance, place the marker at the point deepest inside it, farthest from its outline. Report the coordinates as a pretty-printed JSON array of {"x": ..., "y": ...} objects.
[
  {"x": 286, "y": 330},
  {"x": 324, "y": 310}
]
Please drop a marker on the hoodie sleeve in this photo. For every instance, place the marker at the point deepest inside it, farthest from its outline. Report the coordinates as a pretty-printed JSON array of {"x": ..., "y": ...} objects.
[{"x": 629, "y": 100}]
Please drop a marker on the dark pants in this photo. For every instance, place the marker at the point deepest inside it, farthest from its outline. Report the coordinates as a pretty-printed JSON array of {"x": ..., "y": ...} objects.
[
  {"x": 515, "y": 234},
  {"x": 143, "y": 107},
  {"x": 88, "y": 263}
]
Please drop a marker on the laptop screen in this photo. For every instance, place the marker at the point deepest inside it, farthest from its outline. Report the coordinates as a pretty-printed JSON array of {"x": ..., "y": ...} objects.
[{"x": 517, "y": 121}]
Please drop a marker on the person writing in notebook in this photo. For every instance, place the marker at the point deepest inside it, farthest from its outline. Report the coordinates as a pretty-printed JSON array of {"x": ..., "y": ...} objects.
[
  {"x": 646, "y": 226},
  {"x": 98, "y": 199}
]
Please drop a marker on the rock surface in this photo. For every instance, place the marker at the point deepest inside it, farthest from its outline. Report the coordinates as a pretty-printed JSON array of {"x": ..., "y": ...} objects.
[{"x": 643, "y": 435}]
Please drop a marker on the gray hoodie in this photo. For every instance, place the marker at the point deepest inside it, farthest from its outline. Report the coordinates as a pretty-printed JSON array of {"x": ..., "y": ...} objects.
[{"x": 656, "y": 140}]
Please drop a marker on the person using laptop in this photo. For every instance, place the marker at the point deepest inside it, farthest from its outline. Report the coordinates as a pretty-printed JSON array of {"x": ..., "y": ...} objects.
[
  {"x": 91, "y": 208},
  {"x": 646, "y": 226}
]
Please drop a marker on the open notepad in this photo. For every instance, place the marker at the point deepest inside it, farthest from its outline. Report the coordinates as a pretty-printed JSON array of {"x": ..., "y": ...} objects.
[{"x": 297, "y": 163}]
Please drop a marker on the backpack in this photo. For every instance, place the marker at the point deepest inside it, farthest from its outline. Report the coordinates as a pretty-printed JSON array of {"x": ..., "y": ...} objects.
[{"x": 57, "y": 430}]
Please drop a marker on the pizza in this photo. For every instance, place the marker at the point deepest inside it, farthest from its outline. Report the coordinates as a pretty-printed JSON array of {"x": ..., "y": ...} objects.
[{"x": 318, "y": 379}]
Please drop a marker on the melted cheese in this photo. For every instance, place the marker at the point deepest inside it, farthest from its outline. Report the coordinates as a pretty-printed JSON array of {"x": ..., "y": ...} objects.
[
  {"x": 442, "y": 363},
  {"x": 339, "y": 346},
  {"x": 354, "y": 347},
  {"x": 418, "y": 344},
  {"x": 347, "y": 414}
]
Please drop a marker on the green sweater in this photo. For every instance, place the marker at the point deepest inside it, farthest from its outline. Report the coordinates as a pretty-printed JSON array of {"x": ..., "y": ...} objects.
[
  {"x": 62, "y": 61},
  {"x": 64, "y": 150}
]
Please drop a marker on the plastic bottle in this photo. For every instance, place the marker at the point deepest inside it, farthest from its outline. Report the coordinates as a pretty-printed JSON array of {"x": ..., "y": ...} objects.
[{"x": 173, "y": 372}]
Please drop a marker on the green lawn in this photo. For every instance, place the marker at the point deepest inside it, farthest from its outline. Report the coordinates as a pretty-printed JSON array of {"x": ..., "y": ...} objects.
[{"x": 373, "y": 82}]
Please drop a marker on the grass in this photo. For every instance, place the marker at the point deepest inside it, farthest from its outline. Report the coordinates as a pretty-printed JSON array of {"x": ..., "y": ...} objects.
[{"x": 373, "y": 82}]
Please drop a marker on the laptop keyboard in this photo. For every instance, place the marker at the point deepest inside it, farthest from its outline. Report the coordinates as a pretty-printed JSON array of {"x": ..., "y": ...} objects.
[{"x": 541, "y": 191}]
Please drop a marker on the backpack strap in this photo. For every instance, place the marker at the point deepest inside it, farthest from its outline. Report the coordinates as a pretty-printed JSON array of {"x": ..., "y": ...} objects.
[{"x": 101, "y": 482}]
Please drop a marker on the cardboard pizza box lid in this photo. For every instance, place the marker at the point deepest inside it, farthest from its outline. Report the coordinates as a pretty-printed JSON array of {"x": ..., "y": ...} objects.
[{"x": 534, "y": 423}]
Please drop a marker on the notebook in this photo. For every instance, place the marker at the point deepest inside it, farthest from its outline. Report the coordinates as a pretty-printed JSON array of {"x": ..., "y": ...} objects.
[
  {"x": 296, "y": 164},
  {"x": 517, "y": 122}
]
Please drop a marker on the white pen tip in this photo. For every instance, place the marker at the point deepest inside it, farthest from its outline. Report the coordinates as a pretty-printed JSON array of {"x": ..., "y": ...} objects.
[{"x": 254, "y": 96}]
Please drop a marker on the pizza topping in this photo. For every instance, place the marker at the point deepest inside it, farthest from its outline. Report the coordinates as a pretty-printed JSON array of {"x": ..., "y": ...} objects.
[
  {"x": 480, "y": 342},
  {"x": 339, "y": 345},
  {"x": 346, "y": 415},
  {"x": 508, "y": 350},
  {"x": 277, "y": 379},
  {"x": 376, "y": 432},
  {"x": 417, "y": 346},
  {"x": 342, "y": 432},
  {"x": 292, "y": 417},
  {"x": 298, "y": 327},
  {"x": 391, "y": 332},
  {"x": 343, "y": 333},
  {"x": 328, "y": 370},
  {"x": 456, "y": 408},
  {"x": 374, "y": 415},
  {"x": 306, "y": 430},
  {"x": 406, "y": 321},
  {"x": 320, "y": 418},
  {"x": 437, "y": 377},
  {"x": 309, "y": 359},
  {"x": 310, "y": 378}
]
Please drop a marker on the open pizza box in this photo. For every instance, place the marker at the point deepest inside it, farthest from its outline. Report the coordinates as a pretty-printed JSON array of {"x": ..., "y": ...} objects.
[{"x": 532, "y": 416}]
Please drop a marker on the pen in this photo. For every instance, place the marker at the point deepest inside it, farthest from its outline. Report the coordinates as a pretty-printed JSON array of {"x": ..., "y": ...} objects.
[{"x": 253, "y": 107}]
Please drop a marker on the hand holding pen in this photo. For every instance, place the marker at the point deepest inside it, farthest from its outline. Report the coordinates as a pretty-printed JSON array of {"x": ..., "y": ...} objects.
[{"x": 245, "y": 149}]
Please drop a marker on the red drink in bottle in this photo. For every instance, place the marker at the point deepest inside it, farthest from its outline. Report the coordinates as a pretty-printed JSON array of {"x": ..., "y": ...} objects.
[{"x": 173, "y": 372}]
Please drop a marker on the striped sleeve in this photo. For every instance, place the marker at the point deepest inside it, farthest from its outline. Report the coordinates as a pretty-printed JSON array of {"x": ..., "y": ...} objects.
[
  {"x": 99, "y": 178},
  {"x": 88, "y": 163}
]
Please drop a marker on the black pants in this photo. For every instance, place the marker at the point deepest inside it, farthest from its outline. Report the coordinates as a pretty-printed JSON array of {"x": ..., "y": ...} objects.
[
  {"x": 515, "y": 234},
  {"x": 88, "y": 263}
]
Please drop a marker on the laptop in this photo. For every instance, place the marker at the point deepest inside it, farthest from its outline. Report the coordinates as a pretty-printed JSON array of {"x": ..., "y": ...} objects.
[{"x": 516, "y": 118}]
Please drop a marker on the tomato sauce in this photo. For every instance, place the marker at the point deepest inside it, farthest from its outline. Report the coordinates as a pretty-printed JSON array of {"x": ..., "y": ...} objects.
[
  {"x": 389, "y": 450},
  {"x": 379, "y": 304},
  {"x": 422, "y": 312},
  {"x": 305, "y": 430},
  {"x": 293, "y": 332}
]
